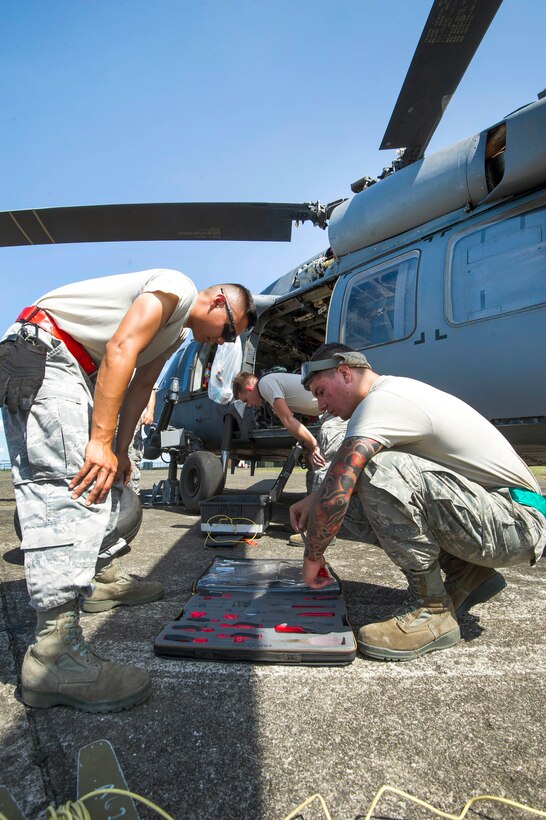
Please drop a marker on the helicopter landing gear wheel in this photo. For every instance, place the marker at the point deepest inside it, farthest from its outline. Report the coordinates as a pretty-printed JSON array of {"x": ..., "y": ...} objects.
[{"x": 200, "y": 478}]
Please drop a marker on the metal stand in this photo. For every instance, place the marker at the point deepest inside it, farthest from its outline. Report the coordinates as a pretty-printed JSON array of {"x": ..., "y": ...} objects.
[
  {"x": 168, "y": 490},
  {"x": 285, "y": 473}
]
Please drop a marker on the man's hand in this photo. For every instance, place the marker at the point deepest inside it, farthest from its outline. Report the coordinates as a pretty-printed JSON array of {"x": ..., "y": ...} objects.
[
  {"x": 99, "y": 469},
  {"x": 147, "y": 417},
  {"x": 315, "y": 459},
  {"x": 125, "y": 468},
  {"x": 315, "y": 574},
  {"x": 300, "y": 432},
  {"x": 299, "y": 512}
]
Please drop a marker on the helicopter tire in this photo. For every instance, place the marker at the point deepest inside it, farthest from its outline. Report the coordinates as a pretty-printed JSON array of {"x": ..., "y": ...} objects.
[
  {"x": 128, "y": 524},
  {"x": 200, "y": 478}
]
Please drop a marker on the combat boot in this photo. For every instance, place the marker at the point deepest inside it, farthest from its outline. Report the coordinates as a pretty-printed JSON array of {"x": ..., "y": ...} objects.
[
  {"x": 296, "y": 540},
  {"x": 424, "y": 623},
  {"x": 59, "y": 669},
  {"x": 113, "y": 586},
  {"x": 469, "y": 584}
]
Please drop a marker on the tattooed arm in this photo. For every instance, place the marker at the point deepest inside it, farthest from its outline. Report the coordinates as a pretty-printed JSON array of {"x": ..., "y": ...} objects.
[{"x": 331, "y": 502}]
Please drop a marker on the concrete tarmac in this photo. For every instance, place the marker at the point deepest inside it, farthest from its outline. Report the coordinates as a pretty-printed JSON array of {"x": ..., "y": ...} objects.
[{"x": 246, "y": 740}]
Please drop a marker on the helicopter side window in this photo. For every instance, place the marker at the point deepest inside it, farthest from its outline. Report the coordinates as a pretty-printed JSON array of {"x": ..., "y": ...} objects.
[
  {"x": 379, "y": 304},
  {"x": 499, "y": 268}
]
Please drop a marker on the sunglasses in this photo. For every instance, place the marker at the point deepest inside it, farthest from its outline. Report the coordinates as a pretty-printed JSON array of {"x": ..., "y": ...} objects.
[{"x": 229, "y": 332}]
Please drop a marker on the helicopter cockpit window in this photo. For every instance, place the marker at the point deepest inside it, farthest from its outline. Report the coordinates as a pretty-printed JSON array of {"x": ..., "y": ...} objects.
[
  {"x": 498, "y": 268},
  {"x": 202, "y": 367},
  {"x": 379, "y": 304},
  {"x": 179, "y": 366},
  {"x": 170, "y": 372}
]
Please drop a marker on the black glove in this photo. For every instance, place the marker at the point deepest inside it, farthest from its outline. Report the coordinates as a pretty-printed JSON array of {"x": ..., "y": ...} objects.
[{"x": 22, "y": 370}]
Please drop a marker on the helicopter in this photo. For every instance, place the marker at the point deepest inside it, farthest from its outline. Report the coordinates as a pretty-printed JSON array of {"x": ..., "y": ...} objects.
[{"x": 437, "y": 262}]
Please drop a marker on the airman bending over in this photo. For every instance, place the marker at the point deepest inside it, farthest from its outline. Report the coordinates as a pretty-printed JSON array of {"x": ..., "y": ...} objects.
[{"x": 60, "y": 427}]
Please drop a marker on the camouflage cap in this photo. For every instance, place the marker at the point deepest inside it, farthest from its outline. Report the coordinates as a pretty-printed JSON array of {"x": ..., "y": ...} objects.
[{"x": 352, "y": 358}]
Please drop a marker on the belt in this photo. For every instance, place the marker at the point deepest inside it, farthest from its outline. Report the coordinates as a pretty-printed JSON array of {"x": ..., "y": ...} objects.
[{"x": 36, "y": 316}]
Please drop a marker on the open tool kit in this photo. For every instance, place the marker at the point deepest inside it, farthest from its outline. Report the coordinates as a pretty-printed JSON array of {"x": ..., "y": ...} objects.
[{"x": 260, "y": 610}]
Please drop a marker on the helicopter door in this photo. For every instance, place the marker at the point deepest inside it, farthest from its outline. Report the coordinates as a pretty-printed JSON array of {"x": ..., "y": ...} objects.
[
  {"x": 495, "y": 305},
  {"x": 378, "y": 309}
]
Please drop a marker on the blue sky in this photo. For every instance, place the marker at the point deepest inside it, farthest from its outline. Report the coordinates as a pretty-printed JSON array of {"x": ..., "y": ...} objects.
[{"x": 119, "y": 101}]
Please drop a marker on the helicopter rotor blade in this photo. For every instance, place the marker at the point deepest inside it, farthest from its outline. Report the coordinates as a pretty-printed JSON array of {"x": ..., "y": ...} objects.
[
  {"x": 450, "y": 38},
  {"x": 221, "y": 221}
]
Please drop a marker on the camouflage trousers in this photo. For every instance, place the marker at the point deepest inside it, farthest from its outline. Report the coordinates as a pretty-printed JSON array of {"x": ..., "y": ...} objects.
[
  {"x": 331, "y": 434},
  {"x": 135, "y": 452},
  {"x": 416, "y": 507},
  {"x": 61, "y": 535}
]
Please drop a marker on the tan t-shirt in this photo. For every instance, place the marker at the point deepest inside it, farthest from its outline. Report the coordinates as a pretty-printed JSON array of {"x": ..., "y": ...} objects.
[
  {"x": 419, "y": 419},
  {"x": 288, "y": 386},
  {"x": 91, "y": 311}
]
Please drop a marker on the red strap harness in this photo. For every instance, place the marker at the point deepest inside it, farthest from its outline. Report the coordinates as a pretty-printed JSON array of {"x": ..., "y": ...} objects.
[{"x": 36, "y": 316}]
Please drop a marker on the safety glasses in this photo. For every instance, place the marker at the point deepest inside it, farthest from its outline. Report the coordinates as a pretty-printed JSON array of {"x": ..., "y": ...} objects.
[
  {"x": 229, "y": 332},
  {"x": 352, "y": 358},
  {"x": 310, "y": 369}
]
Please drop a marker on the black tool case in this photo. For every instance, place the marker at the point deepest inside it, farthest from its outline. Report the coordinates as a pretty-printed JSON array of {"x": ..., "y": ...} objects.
[
  {"x": 228, "y": 519},
  {"x": 260, "y": 610}
]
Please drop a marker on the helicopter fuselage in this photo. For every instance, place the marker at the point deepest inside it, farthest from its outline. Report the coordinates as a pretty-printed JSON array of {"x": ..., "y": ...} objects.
[{"x": 455, "y": 298}]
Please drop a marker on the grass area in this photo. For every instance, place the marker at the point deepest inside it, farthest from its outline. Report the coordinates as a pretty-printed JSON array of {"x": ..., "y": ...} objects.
[{"x": 538, "y": 470}]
